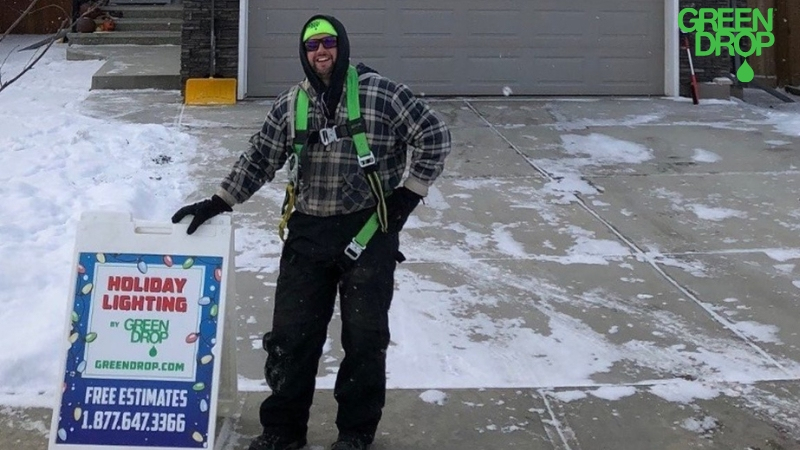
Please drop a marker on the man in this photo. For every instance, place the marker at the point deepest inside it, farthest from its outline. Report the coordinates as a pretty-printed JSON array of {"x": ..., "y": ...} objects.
[{"x": 337, "y": 187}]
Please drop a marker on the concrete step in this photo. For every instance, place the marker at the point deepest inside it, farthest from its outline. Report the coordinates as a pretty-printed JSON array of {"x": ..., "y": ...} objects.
[
  {"x": 158, "y": 24},
  {"x": 132, "y": 66},
  {"x": 155, "y": 81},
  {"x": 126, "y": 38},
  {"x": 144, "y": 12}
]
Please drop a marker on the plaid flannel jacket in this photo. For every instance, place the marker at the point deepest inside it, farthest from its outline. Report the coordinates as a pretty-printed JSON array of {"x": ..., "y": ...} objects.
[{"x": 331, "y": 181}]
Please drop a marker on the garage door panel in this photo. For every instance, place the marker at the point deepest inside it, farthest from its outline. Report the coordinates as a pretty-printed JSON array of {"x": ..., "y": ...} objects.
[
  {"x": 490, "y": 70},
  {"x": 370, "y": 21},
  {"x": 624, "y": 23},
  {"x": 274, "y": 74},
  {"x": 554, "y": 70},
  {"x": 282, "y": 22},
  {"x": 472, "y": 47},
  {"x": 436, "y": 71},
  {"x": 622, "y": 69},
  {"x": 427, "y": 23},
  {"x": 557, "y": 24},
  {"x": 484, "y": 23}
]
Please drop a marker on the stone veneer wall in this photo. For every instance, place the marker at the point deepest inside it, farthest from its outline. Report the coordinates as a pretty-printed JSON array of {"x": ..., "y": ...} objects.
[{"x": 196, "y": 38}]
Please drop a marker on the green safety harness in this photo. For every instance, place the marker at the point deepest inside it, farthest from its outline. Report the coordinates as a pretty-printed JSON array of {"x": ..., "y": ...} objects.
[{"x": 356, "y": 130}]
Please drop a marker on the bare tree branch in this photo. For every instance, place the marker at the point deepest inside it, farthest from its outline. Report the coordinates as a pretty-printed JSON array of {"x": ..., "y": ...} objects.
[
  {"x": 66, "y": 24},
  {"x": 4, "y": 63}
]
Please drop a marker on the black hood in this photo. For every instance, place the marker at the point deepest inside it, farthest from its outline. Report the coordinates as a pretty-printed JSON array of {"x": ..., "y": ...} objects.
[{"x": 330, "y": 94}]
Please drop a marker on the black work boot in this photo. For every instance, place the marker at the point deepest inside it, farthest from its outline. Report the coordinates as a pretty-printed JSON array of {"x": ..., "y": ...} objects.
[
  {"x": 352, "y": 442},
  {"x": 270, "y": 441}
]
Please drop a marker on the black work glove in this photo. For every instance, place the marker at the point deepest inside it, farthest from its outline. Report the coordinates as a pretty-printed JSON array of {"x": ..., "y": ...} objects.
[
  {"x": 399, "y": 206},
  {"x": 202, "y": 211}
]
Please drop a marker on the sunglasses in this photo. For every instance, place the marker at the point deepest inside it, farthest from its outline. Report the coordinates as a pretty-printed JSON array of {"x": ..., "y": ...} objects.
[{"x": 328, "y": 42}]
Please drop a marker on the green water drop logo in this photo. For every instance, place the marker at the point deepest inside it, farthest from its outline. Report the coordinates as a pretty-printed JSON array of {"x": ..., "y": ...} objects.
[
  {"x": 745, "y": 73},
  {"x": 153, "y": 351}
]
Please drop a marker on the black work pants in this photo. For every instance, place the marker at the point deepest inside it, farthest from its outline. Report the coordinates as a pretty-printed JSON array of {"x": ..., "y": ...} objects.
[{"x": 304, "y": 302}]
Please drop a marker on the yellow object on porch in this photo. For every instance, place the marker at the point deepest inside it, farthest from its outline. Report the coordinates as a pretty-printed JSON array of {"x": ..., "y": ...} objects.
[{"x": 210, "y": 91}]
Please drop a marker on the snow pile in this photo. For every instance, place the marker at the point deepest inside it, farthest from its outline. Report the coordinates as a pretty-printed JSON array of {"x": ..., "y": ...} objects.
[
  {"x": 57, "y": 164},
  {"x": 434, "y": 397}
]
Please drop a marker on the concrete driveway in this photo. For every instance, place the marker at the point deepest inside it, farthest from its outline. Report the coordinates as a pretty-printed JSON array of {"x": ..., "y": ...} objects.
[{"x": 587, "y": 274}]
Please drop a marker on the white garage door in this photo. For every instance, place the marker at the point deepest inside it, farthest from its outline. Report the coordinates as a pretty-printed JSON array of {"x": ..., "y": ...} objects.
[{"x": 475, "y": 47}]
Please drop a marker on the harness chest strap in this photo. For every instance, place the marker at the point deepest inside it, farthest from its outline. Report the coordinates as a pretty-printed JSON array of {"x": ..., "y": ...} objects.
[{"x": 354, "y": 129}]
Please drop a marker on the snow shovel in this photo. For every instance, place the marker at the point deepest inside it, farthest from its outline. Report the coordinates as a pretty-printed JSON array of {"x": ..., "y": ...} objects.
[
  {"x": 211, "y": 91},
  {"x": 695, "y": 95}
]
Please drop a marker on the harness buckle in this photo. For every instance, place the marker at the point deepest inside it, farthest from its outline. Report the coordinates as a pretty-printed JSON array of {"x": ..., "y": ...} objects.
[
  {"x": 366, "y": 160},
  {"x": 294, "y": 166},
  {"x": 353, "y": 250},
  {"x": 328, "y": 136}
]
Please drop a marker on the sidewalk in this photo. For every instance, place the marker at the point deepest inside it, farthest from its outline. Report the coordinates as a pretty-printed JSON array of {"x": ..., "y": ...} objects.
[{"x": 629, "y": 302}]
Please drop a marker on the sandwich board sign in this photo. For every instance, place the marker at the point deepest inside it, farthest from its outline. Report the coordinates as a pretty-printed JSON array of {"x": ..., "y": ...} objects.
[{"x": 146, "y": 340}]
